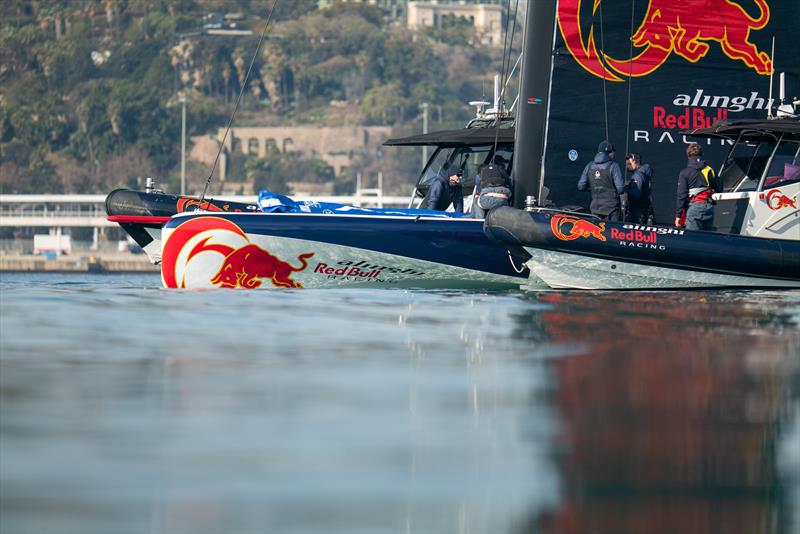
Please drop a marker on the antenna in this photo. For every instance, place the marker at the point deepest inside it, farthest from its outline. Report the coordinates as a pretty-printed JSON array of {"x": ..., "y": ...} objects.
[
  {"x": 497, "y": 93},
  {"x": 482, "y": 103},
  {"x": 772, "y": 58}
]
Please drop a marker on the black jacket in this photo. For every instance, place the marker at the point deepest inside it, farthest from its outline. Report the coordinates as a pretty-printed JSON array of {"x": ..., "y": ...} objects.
[
  {"x": 493, "y": 175},
  {"x": 640, "y": 197},
  {"x": 441, "y": 194}
]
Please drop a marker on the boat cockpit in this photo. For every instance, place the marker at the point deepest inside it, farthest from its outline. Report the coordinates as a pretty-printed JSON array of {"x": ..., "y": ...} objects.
[
  {"x": 760, "y": 177},
  {"x": 467, "y": 149}
]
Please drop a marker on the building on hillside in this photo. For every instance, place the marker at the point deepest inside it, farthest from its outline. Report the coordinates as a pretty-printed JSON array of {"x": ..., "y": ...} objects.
[
  {"x": 487, "y": 19},
  {"x": 398, "y": 10},
  {"x": 337, "y": 146},
  {"x": 392, "y": 9}
]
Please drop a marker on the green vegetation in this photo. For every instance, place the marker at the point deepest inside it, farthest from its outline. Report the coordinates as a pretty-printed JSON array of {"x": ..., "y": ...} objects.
[{"x": 89, "y": 90}]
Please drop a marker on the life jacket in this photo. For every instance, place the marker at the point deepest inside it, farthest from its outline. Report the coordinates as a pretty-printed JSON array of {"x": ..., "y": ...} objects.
[
  {"x": 605, "y": 198},
  {"x": 703, "y": 194},
  {"x": 493, "y": 176}
]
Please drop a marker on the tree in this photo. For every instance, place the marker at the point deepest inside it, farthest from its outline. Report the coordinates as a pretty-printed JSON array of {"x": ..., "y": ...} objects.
[
  {"x": 71, "y": 120},
  {"x": 384, "y": 104}
]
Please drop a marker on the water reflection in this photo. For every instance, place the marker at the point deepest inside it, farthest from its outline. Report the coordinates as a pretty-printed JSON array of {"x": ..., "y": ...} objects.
[
  {"x": 673, "y": 407},
  {"x": 398, "y": 411}
]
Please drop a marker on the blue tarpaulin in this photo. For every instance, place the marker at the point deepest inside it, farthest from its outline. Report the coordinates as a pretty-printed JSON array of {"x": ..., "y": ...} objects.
[{"x": 270, "y": 202}]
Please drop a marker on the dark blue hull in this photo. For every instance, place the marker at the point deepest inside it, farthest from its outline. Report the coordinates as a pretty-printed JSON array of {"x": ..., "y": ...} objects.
[
  {"x": 399, "y": 250},
  {"x": 571, "y": 248}
]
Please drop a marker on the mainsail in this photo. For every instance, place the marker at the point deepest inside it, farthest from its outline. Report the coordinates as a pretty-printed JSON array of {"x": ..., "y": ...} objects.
[{"x": 638, "y": 73}]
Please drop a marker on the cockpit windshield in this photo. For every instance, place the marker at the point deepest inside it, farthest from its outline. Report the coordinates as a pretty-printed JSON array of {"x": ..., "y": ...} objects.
[
  {"x": 743, "y": 168},
  {"x": 784, "y": 168},
  {"x": 469, "y": 159},
  {"x": 748, "y": 160}
]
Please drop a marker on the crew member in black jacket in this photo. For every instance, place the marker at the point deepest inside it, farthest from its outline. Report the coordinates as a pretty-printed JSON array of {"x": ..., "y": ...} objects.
[
  {"x": 445, "y": 190},
  {"x": 696, "y": 185},
  {"x": 603, "y": 177},
  {"x": 640, "y": 190}
]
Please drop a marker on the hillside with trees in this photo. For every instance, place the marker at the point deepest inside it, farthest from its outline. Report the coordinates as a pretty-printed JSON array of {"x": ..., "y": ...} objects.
[{"x": 89, "y": 90}]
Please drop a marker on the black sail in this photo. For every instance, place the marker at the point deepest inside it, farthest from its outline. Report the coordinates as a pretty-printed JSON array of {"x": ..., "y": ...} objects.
[{"x": 630, "y": 62}]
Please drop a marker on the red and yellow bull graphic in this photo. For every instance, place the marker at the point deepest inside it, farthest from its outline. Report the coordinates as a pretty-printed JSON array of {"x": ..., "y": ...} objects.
[
  {"x": 185, "y": 204},
  {"x": 686, "y": 28},
  {"x": 569, "y": 228},
  {"x": 244, "y": 264},
  {"x": 776, "y": 200}
]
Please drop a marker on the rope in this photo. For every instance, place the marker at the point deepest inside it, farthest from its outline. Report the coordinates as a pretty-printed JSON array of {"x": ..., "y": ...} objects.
[
  {"x": 630, "y": 80},
  {"x": 519, "y": 270},
  {"x": 238, "y": 100}
]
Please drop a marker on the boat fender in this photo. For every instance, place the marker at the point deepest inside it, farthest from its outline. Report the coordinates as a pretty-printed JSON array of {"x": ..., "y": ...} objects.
[{"x": 512, "y": 226}]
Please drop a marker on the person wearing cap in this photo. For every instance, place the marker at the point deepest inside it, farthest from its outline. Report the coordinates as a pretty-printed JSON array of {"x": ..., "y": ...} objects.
[
  {"x": 696, "y": 185},
  {"x": 603, "y": 177},
  {"x": 640, "y": 190},
  {"x": 445, "y": 190}
]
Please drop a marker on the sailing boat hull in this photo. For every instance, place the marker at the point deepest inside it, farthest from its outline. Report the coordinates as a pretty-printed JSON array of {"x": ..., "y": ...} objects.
[
  {"x": 573, "y": 250},
  {"x": 294, "y": 250},
  {"x": 142, "y": 214}
]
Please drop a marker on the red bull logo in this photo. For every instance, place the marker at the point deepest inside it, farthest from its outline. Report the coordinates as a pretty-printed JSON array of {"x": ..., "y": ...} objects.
[
  {"x": 777, "y": 200},
  {"x": 569, "y": 228},
  {"x": 244, "y": 266},
  {"x": 185, "y": 204},
  {"x": 670, "y": 27}
]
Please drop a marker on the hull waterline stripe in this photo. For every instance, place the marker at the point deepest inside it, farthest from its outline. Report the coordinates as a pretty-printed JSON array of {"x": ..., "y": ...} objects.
[
  {"x": 666, "y": 265},
  {"x": 561, "y": 269}
]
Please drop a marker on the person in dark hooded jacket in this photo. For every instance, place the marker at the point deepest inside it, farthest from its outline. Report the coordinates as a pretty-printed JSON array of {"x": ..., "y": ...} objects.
[
  {"x": 445, "y": 190},
  {"x": 696, "y": 185},
  {"x": 640, "y": 190},
  {"x": 603, "y": 177}
]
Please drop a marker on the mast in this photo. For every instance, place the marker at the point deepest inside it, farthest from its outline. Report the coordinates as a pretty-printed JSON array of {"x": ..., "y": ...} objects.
[{"x": 531, "y": 122}]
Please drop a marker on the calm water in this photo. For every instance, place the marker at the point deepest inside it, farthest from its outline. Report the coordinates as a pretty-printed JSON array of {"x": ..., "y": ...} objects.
[{"x": 125, "y": 408}]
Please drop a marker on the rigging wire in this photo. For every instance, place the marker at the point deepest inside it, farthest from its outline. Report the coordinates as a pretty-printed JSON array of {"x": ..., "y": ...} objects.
[
  {"x": 507, "y": 60},
  {"x": 507, "y": 44},
  {"x": 630, "y": 80},
  {"x": 238, "y": 100},
  {"x": 603, "y": 48}
]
